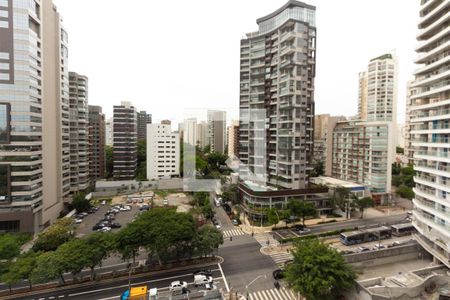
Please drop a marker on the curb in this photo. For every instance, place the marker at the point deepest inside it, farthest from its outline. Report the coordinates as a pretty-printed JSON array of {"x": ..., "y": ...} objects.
[{"x": 219, "y": 260}]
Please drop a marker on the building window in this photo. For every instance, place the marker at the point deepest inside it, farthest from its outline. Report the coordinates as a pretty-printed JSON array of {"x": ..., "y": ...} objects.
[
  {"x": 5, "y": 183},
  {"x": 10, "y": 226},
  {"x": 4, "y": 66},
  {"x": 4, "y": 55},
  {"x": 4, "y": 24},
  {"x": 3, "y": 3},
  {"x": 3, "y": 13},
  {"x": 4, "y": 76},
  {"x": 5, "y": 126}
]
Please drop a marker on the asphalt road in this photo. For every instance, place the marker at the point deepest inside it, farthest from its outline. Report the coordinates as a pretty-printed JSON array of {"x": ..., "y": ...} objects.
[{"x": 113, "y": 290}]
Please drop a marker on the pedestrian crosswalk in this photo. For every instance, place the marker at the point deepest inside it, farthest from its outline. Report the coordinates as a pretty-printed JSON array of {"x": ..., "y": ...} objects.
[
  {"x": 272, "y": 294},
  {"x": 281, "y": 258},
  {"x": 232, "y": 232},
  {"x": 266, "y": 239}
]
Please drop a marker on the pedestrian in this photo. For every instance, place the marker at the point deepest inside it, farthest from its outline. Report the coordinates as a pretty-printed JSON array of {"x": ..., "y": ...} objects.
[{"x": 231, "y": 238}]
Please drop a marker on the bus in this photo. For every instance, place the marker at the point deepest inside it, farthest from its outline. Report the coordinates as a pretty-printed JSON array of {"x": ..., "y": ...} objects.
[
  {"x": 402, "y": 229},
  {"x": 365, "y": 235}
]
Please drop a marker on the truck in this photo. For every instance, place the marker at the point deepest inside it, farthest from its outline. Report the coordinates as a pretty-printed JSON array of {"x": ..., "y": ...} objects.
[{"x": 140, "y": 293}]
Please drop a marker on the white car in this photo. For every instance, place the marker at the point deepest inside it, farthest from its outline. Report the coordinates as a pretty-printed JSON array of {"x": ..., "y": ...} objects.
[
  {"x": 103, "y": 202},
  {"x": 125, "y": 208},
  {"x": 304, "y": 230},
  {"x": 105, "y": 229},
  {"x": 177, "y": 285},
  {"x": 218, "y": 226},
  {"x": 166, "y": 202},
  {"x": 202, "y": 280},
  {"x": 78, "y": 221}
]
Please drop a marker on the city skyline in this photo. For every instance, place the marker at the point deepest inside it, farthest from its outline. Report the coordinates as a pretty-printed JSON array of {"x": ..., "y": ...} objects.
[{"x": 220, "y": 90}]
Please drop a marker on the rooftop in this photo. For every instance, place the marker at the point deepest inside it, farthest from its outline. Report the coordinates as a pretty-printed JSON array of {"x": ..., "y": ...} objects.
[{"x": 330, "y": 181}]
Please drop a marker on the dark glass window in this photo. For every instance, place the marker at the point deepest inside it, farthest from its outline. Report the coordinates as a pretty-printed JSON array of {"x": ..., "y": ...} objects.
[
  {"x": 5, "y": 184},
  {"x": 10, "y": 226},
  {"x": 4, "y": 123}
]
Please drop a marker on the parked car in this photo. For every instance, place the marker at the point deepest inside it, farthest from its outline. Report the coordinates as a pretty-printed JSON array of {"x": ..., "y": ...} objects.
[
  {"x": 205, "y": 272},
  {"x": 103, "y": 202},
  {"x": 362, "y": 249},
  {"x": 165, "y": 202},
  {"x": 202, "y": 279},
  {"x": 394, "y": 244},
  {"x": 304, "y": 230},
  {"x": 235, "y": 221},
  {"x": 104, "y": 229},
  {"x": 144, "y": 207},
  {"x": 278, "y": 274},
  {"x": 110, "y": 217},
  {"x": 378, "y": 247},
  {"x": 78, "y": 221},
  {"x": 125, "y": 208},
  {"x": 115, "y": 225},
  {"x": 218, "y": 226},
  {"x": 177, "y": 285}
]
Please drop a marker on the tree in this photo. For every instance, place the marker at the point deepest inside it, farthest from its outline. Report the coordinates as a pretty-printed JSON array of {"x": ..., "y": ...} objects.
[
  {"x": 109, "y": 161},
  {"x": 215, "y": 160},
  {"x": 318, "y": 272},
  {"x": 396, "y": 169},
  {"x": 318, "y": 170},
  {"x": 9, "y": 246},
  {"x": 405, "y": 192},
  {"x": 231, "y": 194},
  {"x": 74, "y": 255},
  {"x": 100, "y": 246},
  {"x": 54, "y": 236},
  {"x": 20, "y": 269},
  {"x": 141, "y": 160},
  {"x": 342, "y": 199},
  {"x": 129, "y": 239},
  {"x": 48, "y": 267},
  {"x": 80, "y": 203},
  {"x": 207, "y": 240},
  {"x": 399, "y": 150},
  {"x": 302, "y": 209},
  {"x": 272, "y": 216},
  {"x": 363, "y": 203}
]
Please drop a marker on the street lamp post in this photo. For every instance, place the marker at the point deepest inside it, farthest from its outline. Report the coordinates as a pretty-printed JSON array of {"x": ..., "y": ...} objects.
[{"x": 246, "y": 287}]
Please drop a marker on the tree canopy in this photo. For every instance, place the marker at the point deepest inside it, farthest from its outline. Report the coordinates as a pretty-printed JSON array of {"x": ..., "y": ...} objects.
[
  {"x": 54, "y": 236},
  {"x": 80, "y": 203},
  {"x": 302, "y": 209},
  {"x": 318, "y": 272},
  {"x": 363, "y": 203}
]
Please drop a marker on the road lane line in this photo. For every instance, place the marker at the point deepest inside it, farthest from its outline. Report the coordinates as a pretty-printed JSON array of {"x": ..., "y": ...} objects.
[{"x": 224, "y": 278}]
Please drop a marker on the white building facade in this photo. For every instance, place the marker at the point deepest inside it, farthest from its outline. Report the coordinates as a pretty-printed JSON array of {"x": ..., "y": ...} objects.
[
  {"x": 430, "y": 130},
  {"x": 163, "y": 152},
  {"x": 190, "y": 131}
]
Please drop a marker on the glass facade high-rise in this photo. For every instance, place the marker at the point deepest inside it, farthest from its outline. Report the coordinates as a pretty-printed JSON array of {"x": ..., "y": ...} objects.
[
  {"x": 34, "y": 114},
  {"x": 430, "y": 130},
  {"x": 277, "y": 75}
]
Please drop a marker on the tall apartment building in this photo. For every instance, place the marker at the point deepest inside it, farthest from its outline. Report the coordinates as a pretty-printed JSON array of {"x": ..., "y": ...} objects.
[
  {"x": 125, "y": 141},
  {"x": 79, "y": 130},
  {"x": 189, "y": 131},
  {"x": 277, "y": 74},
  {"x": 233, "y": 139},
  {"x": 362, "y": 96},
  {"x": 361, "y": 153},
  {"x": 109, "y": 137},
  {"x": 382, "y": 88},
  {"x": 96, "y": 143},
  {"x": 143, "y": 118},
  {"x": 34, "y": 124},
  {"x": 202, "y": 134},
  {"x": 217, "y": 135},
  {"x": 409, "y": 149},
  {"x": 430, "y": 130},
  {"x": 163, "y": 152},
  {"x": 323, "y": 140}
]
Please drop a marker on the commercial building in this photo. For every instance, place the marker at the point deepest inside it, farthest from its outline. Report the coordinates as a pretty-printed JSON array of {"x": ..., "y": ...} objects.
[
  {"x": 323, "y": 140},
  {"x": 216, "y": 134},
  {"x": 233, "y": 139},
  {"x": 362, "y": 153},
  {"x": 34, "y": 115},
  {"x": 79, "y": 129},
  {"x": 96, "y": 143},
  {"x": 277, "y": 72},
  {"x": 109, "y": 140},
  {"x": 143, "y": 118},
  {"x": 163, "y": 152},
  {"x": 190, "y": 131},
  {"x": 125, "y": 141},
  {"x": 430, "y": 130}
]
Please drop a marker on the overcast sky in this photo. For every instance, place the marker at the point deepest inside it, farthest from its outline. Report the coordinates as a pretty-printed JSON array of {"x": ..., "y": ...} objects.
[{"x": 170, "y": 56}]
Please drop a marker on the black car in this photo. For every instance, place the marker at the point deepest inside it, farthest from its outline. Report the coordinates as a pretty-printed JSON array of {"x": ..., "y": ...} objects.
[
  {"x": 100, "y": 225},
  {"x": 278, "y": 274},
  {"x": 204, "y": 272},
  {"x": 110, "y": 217},
  {"x": 115, "y": 225}
]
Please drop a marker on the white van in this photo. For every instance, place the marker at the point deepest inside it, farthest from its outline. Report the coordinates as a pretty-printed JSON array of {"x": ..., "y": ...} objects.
[{"x": 217, "y": 202}]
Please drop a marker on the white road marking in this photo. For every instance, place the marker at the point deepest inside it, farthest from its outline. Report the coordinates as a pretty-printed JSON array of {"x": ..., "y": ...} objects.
[{"x": 224, "y": 278}]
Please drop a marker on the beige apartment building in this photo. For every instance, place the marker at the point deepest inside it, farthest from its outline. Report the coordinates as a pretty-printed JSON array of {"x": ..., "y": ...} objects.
[
  {"x": 34, "y": 124},
  {"x": 233, "y": 138},
  {"x": 79, "y": 133}
]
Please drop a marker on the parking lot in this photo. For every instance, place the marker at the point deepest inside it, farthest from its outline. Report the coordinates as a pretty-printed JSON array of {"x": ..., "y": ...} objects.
[{"x": 123, "y": 218}]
